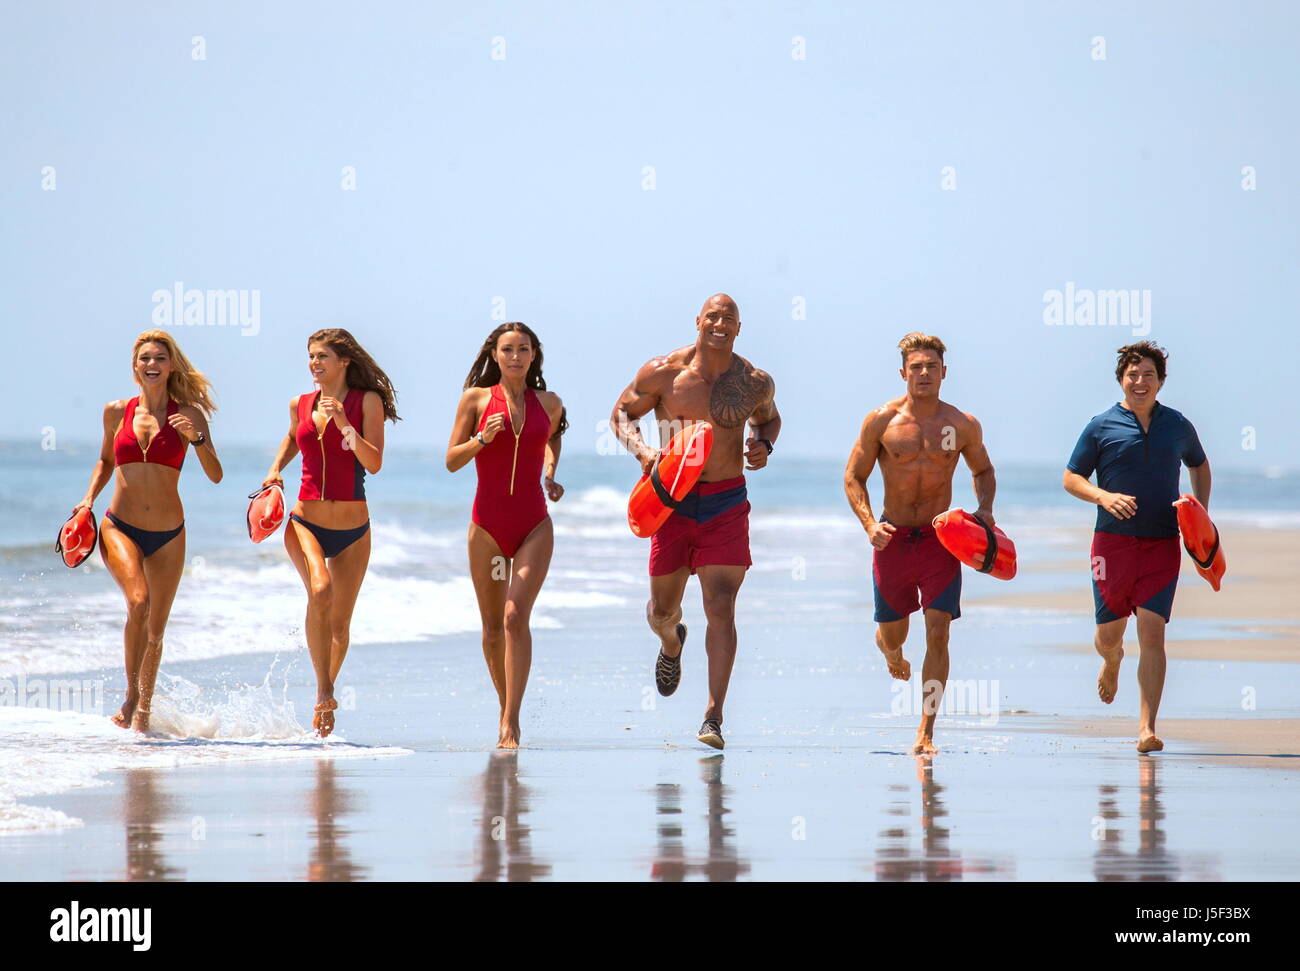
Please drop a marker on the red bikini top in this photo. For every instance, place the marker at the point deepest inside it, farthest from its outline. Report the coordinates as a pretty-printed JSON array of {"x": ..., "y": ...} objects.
[{"x": 167, "y": 447}]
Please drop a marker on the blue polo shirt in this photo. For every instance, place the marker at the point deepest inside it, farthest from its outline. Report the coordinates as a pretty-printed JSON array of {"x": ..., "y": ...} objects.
[{"x": 1141, "y": 464}]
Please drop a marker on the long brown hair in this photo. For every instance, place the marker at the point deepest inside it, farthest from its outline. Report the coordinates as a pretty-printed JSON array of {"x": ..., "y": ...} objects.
[
  {"x": 186, "y": 384},
  {"x": 362, "y": 370},
  {"x": 485, "y": 372}
]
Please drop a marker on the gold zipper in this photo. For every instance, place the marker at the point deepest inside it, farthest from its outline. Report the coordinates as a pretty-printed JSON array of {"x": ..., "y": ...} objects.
[
  {"x": 515, "y": 460},
  {"x": 144, "y": 451},
  {"x": 320, "y": 440}
]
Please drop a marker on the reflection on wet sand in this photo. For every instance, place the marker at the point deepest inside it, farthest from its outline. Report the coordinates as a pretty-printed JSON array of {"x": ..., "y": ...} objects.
[
  {"x": 146, "y": 805},
  {"x": 504, "y": 848},
  {"x": 1152, "y": 860},
  {"x": 936, "y": 862},
  {"x": 330, "y": 859},
  {"x": 671, "y": 864}
]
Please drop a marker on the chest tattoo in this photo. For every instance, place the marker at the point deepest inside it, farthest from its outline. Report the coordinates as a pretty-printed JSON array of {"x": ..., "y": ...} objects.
[{"x": 735, "y": 395}]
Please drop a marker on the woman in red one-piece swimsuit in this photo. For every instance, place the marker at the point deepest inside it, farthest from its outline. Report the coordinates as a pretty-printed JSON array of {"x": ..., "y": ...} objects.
[{"x": 510, "y": 425}]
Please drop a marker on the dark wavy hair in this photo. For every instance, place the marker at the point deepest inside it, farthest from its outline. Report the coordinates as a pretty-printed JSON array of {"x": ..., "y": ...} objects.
[
  {"x": 1131, "y": 354},
  {"x": 362, "y": 370},
  {"x": 485, "y": 372}
]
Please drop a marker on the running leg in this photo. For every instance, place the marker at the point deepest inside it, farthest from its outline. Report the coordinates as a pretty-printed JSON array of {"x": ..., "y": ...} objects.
[{"x": 1151, "y": 676}]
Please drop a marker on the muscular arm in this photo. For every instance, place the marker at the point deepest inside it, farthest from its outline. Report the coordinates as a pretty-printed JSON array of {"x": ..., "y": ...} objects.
[
  {"x": 861, "y": 461},
  {"x": 637, "y": 400},
  {"x": 103, "y": 470},
  {"x": 1200, "y": 477},
  {"x": 981, "y": 469},
  {"x": 288, "y": 449},
  {"x": 764, "y": 422}
]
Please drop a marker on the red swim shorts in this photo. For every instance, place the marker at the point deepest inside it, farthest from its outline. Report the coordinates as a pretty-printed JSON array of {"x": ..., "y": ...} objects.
[
  {"x": 709, "y": 528},
  {"x": 1129, "y": 572},
  {"x": 912, "y": 572}
]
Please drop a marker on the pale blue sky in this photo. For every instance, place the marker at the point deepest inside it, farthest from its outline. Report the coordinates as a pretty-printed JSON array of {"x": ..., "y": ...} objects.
[{"x": 775, "y": 178}]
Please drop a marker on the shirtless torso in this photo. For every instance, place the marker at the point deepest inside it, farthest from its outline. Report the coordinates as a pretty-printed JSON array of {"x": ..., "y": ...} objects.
[
  {"x": 916, "y": 439},
  {"x": 682, "y": 392},
  {"x": 917, "y": 451},
  {"x": 706, "y": 381}
]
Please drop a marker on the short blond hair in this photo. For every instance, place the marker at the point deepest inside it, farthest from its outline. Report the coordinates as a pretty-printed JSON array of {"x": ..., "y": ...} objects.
[{"x": 916, "y": 341}]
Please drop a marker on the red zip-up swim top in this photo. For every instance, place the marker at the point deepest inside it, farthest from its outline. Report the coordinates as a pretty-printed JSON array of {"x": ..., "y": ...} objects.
[
  {"x": 329, "y": 469},
  {"x": 167, "y": 447}
]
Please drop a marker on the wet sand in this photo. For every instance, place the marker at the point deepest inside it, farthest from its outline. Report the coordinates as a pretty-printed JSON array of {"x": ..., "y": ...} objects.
[
  {"x": 1267, "y": 743},
  {"x": 816, "y": 783},
  {"x": 858, "y": 810}
]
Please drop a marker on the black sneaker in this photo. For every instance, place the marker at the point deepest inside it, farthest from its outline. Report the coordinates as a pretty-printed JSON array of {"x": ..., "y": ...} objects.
[
  {"x": 710, "y": 733},
  {"x": 668, "y": 670}
]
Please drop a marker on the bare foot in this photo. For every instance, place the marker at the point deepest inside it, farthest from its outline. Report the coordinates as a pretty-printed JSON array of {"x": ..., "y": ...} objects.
[
  {"x": 899, "y": 667},
  {"x": 509, "y": 737},
  {"x": 1108, "y": 678},
  {"x": 140, "y": 721},
  {"x": 323, "y": 718},
  {"x": 924, "y": 744},
  {"x": 1148, "y": 742},
  {"x": 123, "y": 718}
]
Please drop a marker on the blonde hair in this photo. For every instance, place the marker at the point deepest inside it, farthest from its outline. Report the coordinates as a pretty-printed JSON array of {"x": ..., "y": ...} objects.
[
  {"x": 186, "y": 384},
  {"x": 916, "y": 341}
]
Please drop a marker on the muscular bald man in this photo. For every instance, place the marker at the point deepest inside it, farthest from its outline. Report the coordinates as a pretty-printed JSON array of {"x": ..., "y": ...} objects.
[{"x": 708, "y": 533}]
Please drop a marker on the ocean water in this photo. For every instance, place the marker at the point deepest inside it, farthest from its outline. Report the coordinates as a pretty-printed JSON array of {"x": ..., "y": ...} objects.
[{"x": 236, "y": 679}]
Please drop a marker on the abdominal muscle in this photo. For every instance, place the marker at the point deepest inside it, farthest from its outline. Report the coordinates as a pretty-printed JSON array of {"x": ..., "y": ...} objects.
[
  {"x": 145, "y": 496},
  {"x": 914, "y": 495}
]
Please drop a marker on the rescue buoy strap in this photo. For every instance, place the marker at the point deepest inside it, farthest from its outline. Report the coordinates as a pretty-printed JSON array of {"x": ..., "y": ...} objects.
[
  {"x": 1209, "y": 557},
  {"x": 661, "y": 493},
  {"x": 990, "y": 554}
]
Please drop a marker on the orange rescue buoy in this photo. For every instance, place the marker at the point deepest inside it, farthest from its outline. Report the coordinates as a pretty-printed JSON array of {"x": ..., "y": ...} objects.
[
  {"x": 1201, "y": 539},
  {"x": 674, "y": 474},
  {"x": 984, "y": 549},
  {"x": 77, "y": 537},
  {"x": 265, "y": 512}
]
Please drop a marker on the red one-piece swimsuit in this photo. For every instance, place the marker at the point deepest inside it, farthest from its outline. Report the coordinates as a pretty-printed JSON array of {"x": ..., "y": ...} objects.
[{"x": 509, "y": 503}]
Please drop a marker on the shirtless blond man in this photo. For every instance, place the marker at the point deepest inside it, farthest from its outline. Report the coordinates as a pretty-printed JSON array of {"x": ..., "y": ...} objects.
[
  {"x": 916, "y": 440},
  {"x": 708, "y": 532}
]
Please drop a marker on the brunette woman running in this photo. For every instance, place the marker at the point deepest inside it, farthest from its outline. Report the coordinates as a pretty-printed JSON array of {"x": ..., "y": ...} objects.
[
  {"x": 510, "y": 425},
  {"x": 339, "y": 429},
  {"x": 142, "y": 536}
]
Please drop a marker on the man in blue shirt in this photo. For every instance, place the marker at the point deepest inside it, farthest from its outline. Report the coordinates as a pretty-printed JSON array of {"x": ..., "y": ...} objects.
[{"x": 1136, "y": 448}]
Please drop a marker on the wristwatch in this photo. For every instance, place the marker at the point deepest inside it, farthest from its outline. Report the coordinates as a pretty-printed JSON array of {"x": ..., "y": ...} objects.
[
  {"x": 481, "y": 440},
  {"x": 201, "y": 440},
  {"x": 768, "y": 443}
]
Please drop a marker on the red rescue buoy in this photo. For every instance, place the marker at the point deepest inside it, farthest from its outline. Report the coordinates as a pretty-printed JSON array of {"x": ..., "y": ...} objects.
[
  {"x": 970, "y": 540},
  {"x": 1201, "y": 539},
  {"x": 265, "y": 512},
  {"x": 674, "y": 474},
  {"x": 77, "y": 537}
]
